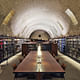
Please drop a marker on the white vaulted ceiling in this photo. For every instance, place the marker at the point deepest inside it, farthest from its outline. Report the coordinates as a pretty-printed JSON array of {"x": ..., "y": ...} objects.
[
  {"x": 40, "y": 15},
  {"x": 33, "y": 15}
]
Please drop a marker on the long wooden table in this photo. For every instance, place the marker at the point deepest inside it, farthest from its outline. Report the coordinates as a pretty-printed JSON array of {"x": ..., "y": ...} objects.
[{"x": 48, "y": 64}]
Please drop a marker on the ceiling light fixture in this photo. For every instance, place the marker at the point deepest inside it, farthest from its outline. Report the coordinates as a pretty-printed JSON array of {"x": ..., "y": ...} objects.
[{"x": 71, "y": 16}]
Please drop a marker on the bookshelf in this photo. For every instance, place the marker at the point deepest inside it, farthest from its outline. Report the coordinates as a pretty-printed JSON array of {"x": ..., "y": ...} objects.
[{"x": 70, "y": 46}]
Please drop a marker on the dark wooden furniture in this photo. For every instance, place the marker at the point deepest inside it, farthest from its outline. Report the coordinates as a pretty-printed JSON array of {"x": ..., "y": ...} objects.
[
  {"x": 48, "y": 65},
  {"x": 54, "y": 49},
  {"x": 27, "y": 47},
  {"x": 24, "y": 50},
  {"x": 45, "y": 46}
]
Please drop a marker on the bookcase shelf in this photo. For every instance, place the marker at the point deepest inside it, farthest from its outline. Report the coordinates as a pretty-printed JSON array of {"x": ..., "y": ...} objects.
[{"x": 70, "y": 46}]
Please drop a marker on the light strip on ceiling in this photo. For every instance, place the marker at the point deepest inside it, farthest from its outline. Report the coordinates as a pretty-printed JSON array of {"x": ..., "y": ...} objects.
[
  {"x": 60, "y": 25},
  {"x": 8, "y": 17},
  {"x": 71, "y": 16}
]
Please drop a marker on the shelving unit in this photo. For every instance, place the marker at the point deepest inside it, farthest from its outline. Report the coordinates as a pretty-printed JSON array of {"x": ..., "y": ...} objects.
[
  {"x": 70, "y": 46},
  {"x": 9, "y": 46},
  {"x": 8, "y": 49},
  {"x": 61, "y": 45},
  {"x": 1, "y": 50},
  {"x": 73, "y": 47}
]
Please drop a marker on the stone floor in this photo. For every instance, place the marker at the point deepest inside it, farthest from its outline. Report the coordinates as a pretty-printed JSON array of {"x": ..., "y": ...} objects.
[{"x": 72, "y": 68}]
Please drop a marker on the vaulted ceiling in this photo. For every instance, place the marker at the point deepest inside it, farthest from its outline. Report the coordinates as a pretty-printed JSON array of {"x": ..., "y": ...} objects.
[{"x": 32, "y": 15}]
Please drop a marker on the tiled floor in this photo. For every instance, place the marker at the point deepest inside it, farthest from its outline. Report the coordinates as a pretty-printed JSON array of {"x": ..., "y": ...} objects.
[{"x": 72, "y": 68}]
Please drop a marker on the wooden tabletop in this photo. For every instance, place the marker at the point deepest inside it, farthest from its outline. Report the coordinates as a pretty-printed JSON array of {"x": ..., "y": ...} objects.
[{"x": 30, "y": 64}]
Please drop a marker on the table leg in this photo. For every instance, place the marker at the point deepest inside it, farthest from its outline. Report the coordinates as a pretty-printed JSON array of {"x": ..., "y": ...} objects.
[{"x": 38, "y": 76}]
